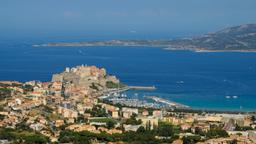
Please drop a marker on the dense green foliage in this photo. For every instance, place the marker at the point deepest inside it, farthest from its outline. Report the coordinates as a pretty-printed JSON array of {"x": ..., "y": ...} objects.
[
  {"x": 22, "y": 136},
  {"x": 216, "y": 133},
  {"x": 85, "y": 137},
  {"x": 243, "y": 128},
  {"x": 111, "y": 124},
  {"x": 191, "y": 139},
  {"x": 142, "y": 136},
  {"x": 97, "y": 111},
  {"x": 1, "y": 107},
  {"x": 110, "y": 84},
  {"x": 27, "y": 88},
  {"x": 129, "y": 137},
  {"x": 5, "y": 93},
  {"x": 132, "y": 121},
  {"x": 2, "y": 117},
  {"x": 165, "y": 130}
]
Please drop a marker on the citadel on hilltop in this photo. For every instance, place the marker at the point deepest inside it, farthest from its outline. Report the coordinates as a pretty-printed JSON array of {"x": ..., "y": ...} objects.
[
  {"x": 87, "y": 78},
  {"x": 84, "y": 76}
]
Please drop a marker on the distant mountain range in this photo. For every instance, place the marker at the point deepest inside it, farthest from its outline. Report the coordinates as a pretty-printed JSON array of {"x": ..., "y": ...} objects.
[{"x": 239, "y": 38}]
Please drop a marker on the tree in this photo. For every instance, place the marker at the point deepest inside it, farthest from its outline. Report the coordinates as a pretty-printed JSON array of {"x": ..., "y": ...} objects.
[
  {"x": 165, "y": 130},
  {"x": 35, "y": 139},
  {"x": 233, "y": 141},
  {"x": 22, "y": 136},
  {"x": 5, "y": 93},
  {"x": 141, "y": 129},
  {"x": 22, "y": 126},
  {"x": 27, "y": 88},
  {"x": 110, "y": 84},
  {"x": 148, "y": 126},
  {"x": 216, "y": 133},
  {"x": 2, "y": 117},
  {"x": 97, "y": 112},
  {"x": 253, "y": 118},
  {"x": 243, "y": 128},
  {"x": 80, "y": 118},
  {"x": 132, "y": 120},
  {"x": 191, "y": 139},
  {"x": 139, "y": 138},
  {"x": 110, "y": 124},
  {"x": 199, "y": 131}
]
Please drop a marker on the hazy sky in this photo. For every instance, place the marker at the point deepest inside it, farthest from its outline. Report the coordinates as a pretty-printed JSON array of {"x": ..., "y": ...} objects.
[{"x": 46, "y": 17}]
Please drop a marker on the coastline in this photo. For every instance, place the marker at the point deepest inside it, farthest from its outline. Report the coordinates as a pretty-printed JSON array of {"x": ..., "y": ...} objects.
[
  {"x": 203, "y": 50},
  {"x": 177, "y": 107},
  {"x": 216, "y": 51},
  {"x": 164, "y": 47},
  {"x": 168, "y": 55}
]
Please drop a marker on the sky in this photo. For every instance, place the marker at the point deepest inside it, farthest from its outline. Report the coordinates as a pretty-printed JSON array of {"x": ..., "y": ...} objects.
[{"x": 122, "y": 17}]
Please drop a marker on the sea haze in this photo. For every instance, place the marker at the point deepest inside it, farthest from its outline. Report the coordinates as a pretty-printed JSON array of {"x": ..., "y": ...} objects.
[{"x": 221, "y": 81}]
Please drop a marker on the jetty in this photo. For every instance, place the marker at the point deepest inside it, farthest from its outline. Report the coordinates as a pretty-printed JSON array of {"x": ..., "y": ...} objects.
[
  {"x": 116, "y": 91},
  {"x": 142, "y": 87},
  {"x": 126, "y": 88},
  {"x": 164, "y": 101}
]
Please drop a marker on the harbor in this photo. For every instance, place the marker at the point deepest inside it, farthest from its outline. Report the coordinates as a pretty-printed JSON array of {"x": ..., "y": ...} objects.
[
  {"x": 118, "y": 96},
  {"x": 115, "y": 92}
]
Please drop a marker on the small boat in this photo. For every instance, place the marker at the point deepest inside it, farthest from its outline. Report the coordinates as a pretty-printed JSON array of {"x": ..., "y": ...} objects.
[
  {"x": 80, "y": 52},
  {"x": 116, "y": 94},
  {"x": 123, "y": 96},
  {"x": 228, "y": 97},
  {"x": 180, "y": 82},
  {"x": 235, "y": 97}
]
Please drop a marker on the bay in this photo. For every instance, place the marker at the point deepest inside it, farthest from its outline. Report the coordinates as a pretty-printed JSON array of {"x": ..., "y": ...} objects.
[{"x": 220, "y": 81}]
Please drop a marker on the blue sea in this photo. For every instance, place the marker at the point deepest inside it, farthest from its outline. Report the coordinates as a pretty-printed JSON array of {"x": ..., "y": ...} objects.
[{"x": 217, "y": 81}]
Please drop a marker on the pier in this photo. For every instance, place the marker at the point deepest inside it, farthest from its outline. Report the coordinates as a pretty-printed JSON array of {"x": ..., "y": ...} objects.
[
  {"x": 126, "y": 88},
  {"x": 112, "y": 92},
  {"x": 170, "y": 103},
  {"x": 142, "y": 87},
  {"x": 116, "y": 90}
]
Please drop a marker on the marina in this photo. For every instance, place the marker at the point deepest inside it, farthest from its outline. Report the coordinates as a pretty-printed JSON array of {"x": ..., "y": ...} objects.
[{"x": 117, "y": 96}]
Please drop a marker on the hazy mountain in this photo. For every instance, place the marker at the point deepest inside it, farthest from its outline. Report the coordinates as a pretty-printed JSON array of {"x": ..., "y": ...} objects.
[{"x": 234, "y": 38}]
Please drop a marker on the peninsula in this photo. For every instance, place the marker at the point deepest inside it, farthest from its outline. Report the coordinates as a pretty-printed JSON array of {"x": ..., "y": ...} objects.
[{"x": 233, "y": 39}]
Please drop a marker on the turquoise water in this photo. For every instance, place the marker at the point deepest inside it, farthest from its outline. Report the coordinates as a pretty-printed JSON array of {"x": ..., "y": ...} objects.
[{"x": 200, "y": 80}]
